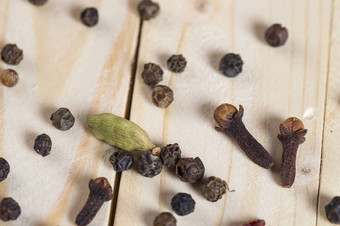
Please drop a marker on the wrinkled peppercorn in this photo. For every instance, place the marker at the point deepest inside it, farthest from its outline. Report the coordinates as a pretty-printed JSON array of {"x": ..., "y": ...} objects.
[
  {"x": 231, "y": 65},
  {"x": 11, "y": 54},
  {"x": 149, "y": 165},
  {"x": 9, "y": 209},
  {"x": 121, "y": 160},
  {"x": 177, "y": 63},
  {"x": 38, "y": 2},
  {"x": 43, "y": 145},
  {"x": 276, "y": 35},
  {"x": 152, "y": 74},
  {"x": 183, "y": 204},
  {"x": 165, "y": 219},
  {"x": 190, "y": 169},
  {"x": 213, "y": 188},
  {"x": 4, "y": 169},
  {"x": 90, "y": 17},
  {"x": 62, "y": 119},
  {"x": 9, "y": 77},
  {"x": 170, "y": 155},
  {"x": 256, "y": 223},
  {"x": 333, "y": 210},
  {"x": 162, "y": 96},
  {"x": 148, "y": 9}
]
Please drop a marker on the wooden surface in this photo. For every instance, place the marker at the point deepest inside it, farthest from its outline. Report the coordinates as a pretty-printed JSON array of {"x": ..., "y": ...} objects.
[{"x": 89, "y": 70}]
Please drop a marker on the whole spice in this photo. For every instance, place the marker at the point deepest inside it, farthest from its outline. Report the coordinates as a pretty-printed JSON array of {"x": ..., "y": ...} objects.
[
  {"x": 213, "y": 188},
  {"x": 170, "y": 155},
  {"x": 100, "y": 192},
  {"x": 121, "y": 160},
  {"x": 256, "y": 223},
  {"x": 149, "y": 165},
  {"x": 276, "y": 35},
  {"x": 177, "y": 63},
  {"x": 165, "y": 219},
  {"x": 9, "y": 77},
  {"x": 292, "y": 135},
  {"x": 190, "y": 169},
  {"x": 231, "y": 65},
  {"x": 62, "y": 119},
  {"x": 38, "y": 2},
  {"x": 152, "y": 74},
  {"x": 11, "y": 54},
  {"x": 229, "y": 121},
  {"x": 183, "y": 204},
  {"x": 89, "y": 17},
  {"x": 43, "y": 145},
  {"x": 4, "y": 169},
  {"x": 162, "y": 96},
  {"x": 120, "y": 133},
  {"x": 333, "y": 210},
  {"x": 148, "y": 9},
  {"x": 9, "y": 209}
]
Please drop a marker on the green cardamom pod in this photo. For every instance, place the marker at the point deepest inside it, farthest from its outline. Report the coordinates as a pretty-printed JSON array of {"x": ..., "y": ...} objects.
[{"x": 120, "y": 132}]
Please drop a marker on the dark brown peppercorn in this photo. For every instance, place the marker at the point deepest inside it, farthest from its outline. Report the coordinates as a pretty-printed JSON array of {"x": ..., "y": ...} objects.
[
  {"x": 152, "y": 74},
  {"x": 38, "y": 2},
  {"x": 4, "y": 169},
  {"x": 9, "y": 209},
  {"x": 62, "y": 119},
  {"x": 229, "y": 121},
  {"x": 170, "y": 155},
  {"x": 149, "y": 165},
  {"x": 100, "y": 192},
  {"x": 121, "y": 160},
  {"x": 231, "y": 65},
  {"x": 213, "y": 188},
  {"x": 43, "y": 145},
  {"x": 276, "y": 35},
  {"x": 148, "y": 9},
  {"x": 256, "y": 223},
  {"x": 183, "y": 204},
  {"x": 9, "y": 77},
  {"x": 190, "y": 169},
  {"x": 333, "y": 210},
  {"x": 11, "y": 54},
  {"x": 90, "y": 17},
  {"x": 177, "y": 63},
  {"x": 162, "y": 96},
  {"x": 165, "y": 219},
  {"x": 292, "y": 135}
]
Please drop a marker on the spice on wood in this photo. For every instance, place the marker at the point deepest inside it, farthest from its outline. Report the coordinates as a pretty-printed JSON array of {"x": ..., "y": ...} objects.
[
  {"x": 165, "y": 219},
  {"x": 43, "y": 145},
  {"x": 152, "y": 74},
  {"x": 333, "y": 210},
  {"x": 149, "y": 165},
  {"x": 183, "y": 204},
  {"x": 90, "y": 17},
  {"x": 9, "y": 77},
  {"x": 276, "y": 35},
  {"x": 121, "y": 160},
  {"x": 190, "y": 170},
  {"x": 177, "y": 63},
  {"x": 9, "y": 209},
  {"x": 38, "y": 2},
  {"x": 170, "y": 155},
  {"x": 162, "y": 96},
  {"x": 148, "y": 9},
  {"x": 62, "y": 119},
  {"x": 213, "y": 188},
  {"x": 4, "y": 169},
  {"x": 231, "y": 65},
  {"x": 11, "y": 54}
]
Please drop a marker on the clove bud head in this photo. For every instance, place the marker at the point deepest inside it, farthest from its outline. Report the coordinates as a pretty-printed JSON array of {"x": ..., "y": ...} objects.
[
  {"x": 225, "y": 113},
  {"x": 293, "y": 127}
]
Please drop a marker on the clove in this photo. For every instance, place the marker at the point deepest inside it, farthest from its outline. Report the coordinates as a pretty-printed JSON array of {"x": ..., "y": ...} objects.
[
  {"x": 292, "y": 135},
  {"x": 100, "y": 192},
  {"x": 229, "y": 121}
]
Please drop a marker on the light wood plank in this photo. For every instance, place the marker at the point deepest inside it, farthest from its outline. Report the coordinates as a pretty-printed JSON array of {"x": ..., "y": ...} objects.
[
  {"x": 276, "y": 83},
  {"x": 66, "y": 64}
]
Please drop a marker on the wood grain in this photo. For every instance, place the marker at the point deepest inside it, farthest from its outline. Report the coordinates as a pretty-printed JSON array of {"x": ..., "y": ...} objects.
[{"x": 276, "y": 83}]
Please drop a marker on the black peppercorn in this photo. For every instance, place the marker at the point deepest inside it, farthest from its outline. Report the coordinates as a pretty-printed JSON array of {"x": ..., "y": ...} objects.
[
  {"x": 183, "y": 204},
  {"x": 276, "y": 35},
  {"x": 165, "y": 219},
  {"x": 231, "y": 65},
  {"x": 43, "y": 145},
  {"x": 9, "y": 77},
  {"x": 148, "y": 9},
  {"x": 162, "y": 96},
  {"x": 121, "y": 160},
  {"x": 170, "y": 155},
  {"x": 89, "y": 17},
  {"x": 11, "y": 54},
  {"x": 9, "y": 209},
  {"x": 213, "y": 188},
  {"x": 38, "y": 2},
  {"x": 333, "y": 210},
  {"x": 190, "y": 169},
  {"x": 152, "y": 74},
  {"x": 177, "y": 63},
  {"x": 149, "y": 165},
  {"x": 4, "y": 169},
  {"x": 62, "y": 119}
]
